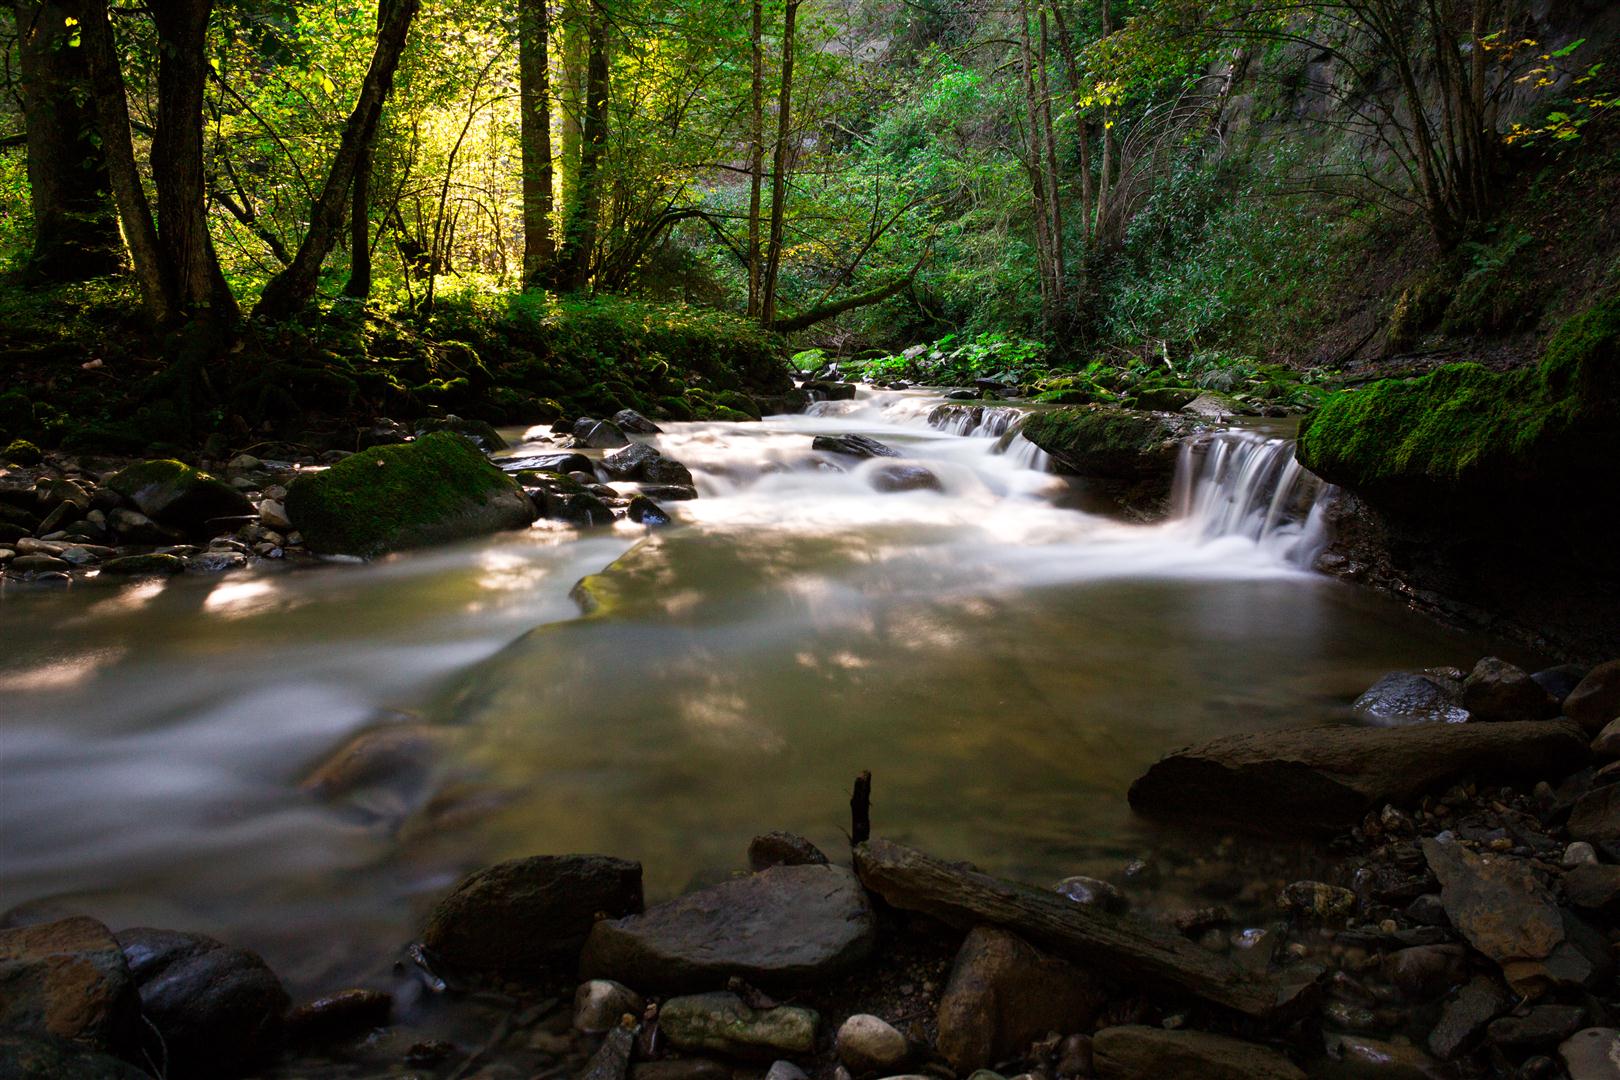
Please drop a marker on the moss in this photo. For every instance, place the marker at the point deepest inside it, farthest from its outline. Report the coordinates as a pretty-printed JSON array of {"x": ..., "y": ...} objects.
[
  {"x": 22, "y": 452},
  {"x": 436, "y": 489},
  {"x": 1106, "y": 441},
  {"x": 672, "y": 408},
  {"x": 1417, "y": 310},
  {"x": 742, "y": 403},
  {"x": 1462, "y": 429}
]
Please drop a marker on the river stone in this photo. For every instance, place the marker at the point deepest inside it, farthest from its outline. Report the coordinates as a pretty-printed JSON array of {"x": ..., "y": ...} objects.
[
  {"x": 643, "y": 511},
  {"x": 1594, "y": 887},
  {"x": 1596, "y": 701},
  {"x": 781, "y": 928},
  {"x": 1596, "y": 819},
  {"x": 903, "y": 477},
  {"x": 860, "y": 446},
  {"x": 398, "y": 755},
  {"x": 644, "y": 464},
  {"x": 593, "y": 434},
  {"x": 1606, "y": 746},
  {"x": 1144, "y": 1053},
  {"x": 1324, "y": 779},
  {"x": 869, "y": 1045},
  {"x": 557, "y": 463},
  {"x": 1411, "y": 697},
  {"x": 177, "y": 496},
  {"x": 600, "y": 1004},
  {"x": 1364, "y": 1057},
  {"x": 1003, "y": 994},
  {"x": 68, "y": 979},
  {"x": 722, "y": 1023},
  {"x": 633, "y": 422},
  {"x": 1110, "y": 442},
  {"x": 216, "y": 1009},
  {"x": 827, "y": 390},
  {"x": 1497, "y": 903},
  {"x": 143, "y": 565},
  {"x": 433, "y": 491},
  {"x": 1539, "y": 1028},
  {"x": 1593, "y": 1054},
  {"x": 31, "y": 1057},
  {"x": 1497, "y": 690},
  {"x": 342, "y": 1015},
  {"x": 1560, "y": 681},
  {"x": 782, "y": 849},
  {"x": 526, "y": 913},
  {"x": 480, "y": 432},
  {"x": 40, "y": 564},
  {"x": 684, "y": 1069},
  {"x": 1425, "y": 971},
  {"x": 785, "y": 1070},
  {"x": 1464, "y": 1018},
  {"x": 612, "y": 1059}
]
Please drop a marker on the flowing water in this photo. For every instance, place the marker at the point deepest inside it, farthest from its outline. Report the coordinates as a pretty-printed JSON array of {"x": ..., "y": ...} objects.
[{"x": 1002, "y": 660}]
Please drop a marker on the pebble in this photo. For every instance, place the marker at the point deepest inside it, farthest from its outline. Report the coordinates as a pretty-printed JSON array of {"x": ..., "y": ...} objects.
[
  {"x": 1580, "y": 853},
  {"x": 868, "y": 1044},
  {"x": 599, "y": 1005}
]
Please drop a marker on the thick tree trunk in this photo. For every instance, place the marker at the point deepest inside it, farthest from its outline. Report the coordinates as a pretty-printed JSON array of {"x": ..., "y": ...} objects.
[
  {"x": 1035, "y": 162},
  {"x": 177, "y": 163},
  {"x": 534, "y": 62},
  {"x": 1082, "y": 125},
  {"x": 75, "y": 222},
  {"x": 295, "y": 286},
  {"x": 1055, "y": 205},
  {"x": 112, "y": 119},
  {"x": 579, "y": 230},
  {"x": 571, "y": 96},
  {"x": 784, "y": 128},
  {"x": 359, "y": 284},
  {"x": 756, "y": 156}
]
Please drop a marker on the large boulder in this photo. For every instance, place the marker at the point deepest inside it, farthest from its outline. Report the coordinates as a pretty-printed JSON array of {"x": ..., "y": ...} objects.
[
  {"x": 528, "y": 913},
  {"x": 68, "y": 979},
  {"x": 1146, "y": 1053},
  {"x": 215, "y": 1010},
  {"x": 177, "y": 496},
  {"x": 432, "y": 491},
  {"x": 1109, "y": 442},
  {"x": 781, "y": 928},
  {"x": 1323, "y": 779}
]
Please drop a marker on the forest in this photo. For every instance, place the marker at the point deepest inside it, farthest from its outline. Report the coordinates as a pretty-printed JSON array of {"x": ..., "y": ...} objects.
[{"x": 809, "y": 539}]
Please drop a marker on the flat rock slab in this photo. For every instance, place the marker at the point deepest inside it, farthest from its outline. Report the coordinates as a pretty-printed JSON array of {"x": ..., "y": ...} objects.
[
  {"x": 1146, "y": 1053},
  {"x": 1323, "y": 779},
  {"x": 724, "y": 1024},
  {"x": 783, "y": 927}
]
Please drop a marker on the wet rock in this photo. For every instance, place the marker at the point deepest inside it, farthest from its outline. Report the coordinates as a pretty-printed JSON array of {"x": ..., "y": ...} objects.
[
  {"x": 1463, "y": 1019},
  {"x": 1426, "y": 970},
  {"x": 1498, "y": 691},
  {"x": 683, "y": 1069},
  {"x": 1075, "y": 1056},
  {"x": 143, "y": 566},
  {"x": 669, "y": 492},
  {"x": 39, "y": 564},
  {"x": 592, "y": 434},
  {"x": 1607, "y": 744},
  {"x": 177, "y": 496},
  {"x": 577, "y": 508},
  {"x": 214, "y": 562},
  {"x": 1560, "y": 681},
  {"x": 1327, "y": 779},
  {"x": 1109, "y": 442},
  {"x": 1594, "y": 887},
  {"x": 480, "y": 433},
  {"x": 643, "y": 511},
  {"x": 1539, "y": 1028},
  {"x": 557, "y": 463},
  {"x": 1318, "y": 900},
  {"x": 399, "y": 755},
  {"x": 1578, "y": 854},
  {"x": 338, "y": 1016},
  {"x": 68, "y": 979},
  {"x": 783, "y": 927},
  {"x": 722, "y": 1023},
  {"x": 612, "y": 1059},
  {"x": 1376, "y": 1058},
  {"x": 869, "y": 1045},
  {"x": 1412, "y": 697},
  {"x": 1593, "y": 1054},
  {"x": 273, "y": 515},
  {"x": 1144, "y": 1053},
  {"x": 782, "y": 849},
  {"x": 903, "y": 477},
  {"x": 136, "y": 528},
  {"x": 644, "y": 464},
  {"x": 829, "y": 391},
  {"x": 1094, "y": 891},
  {"x": 785, "y": 1070},
  {"x": 433, "y": 491},
  {"x": 600, "y": 1004},
  {"x": 526, "y": 913},
  {"x": 1214, "y": 406},
  {"x": 384, "y": 432},
  {"x": 1596, "y": 819},
  {"x": 634, "y": 423},
  {"x": 1003, "y": 993},
  {"x": 859, "y": 446},
  {"x": 216, "y": 1009},
  {"x": 31, "y": 1057},
  {"x": 1596, "y": 701}
]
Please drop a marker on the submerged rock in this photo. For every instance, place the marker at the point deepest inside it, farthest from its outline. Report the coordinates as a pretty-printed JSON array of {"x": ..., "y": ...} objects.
[
  {"x": 177, "y": 496},
  {"x": 1090, "y": 890},
  {"x": 860, "y": 446},
  {"x": 1145, "y": 1053},
  {"x": 903, "y": 477},
  {"x": 722, "y": 1023},
  {"x": 342, "y": 1015},
  {"x": 68, "y": 979}
]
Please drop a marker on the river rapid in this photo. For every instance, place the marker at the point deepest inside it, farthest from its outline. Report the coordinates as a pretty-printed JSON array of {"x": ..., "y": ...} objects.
[{"x": 1004, "y": 660}]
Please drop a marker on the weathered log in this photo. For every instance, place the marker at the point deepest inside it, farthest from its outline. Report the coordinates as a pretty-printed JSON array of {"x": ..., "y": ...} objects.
[{"x": 1118, "y": 946}]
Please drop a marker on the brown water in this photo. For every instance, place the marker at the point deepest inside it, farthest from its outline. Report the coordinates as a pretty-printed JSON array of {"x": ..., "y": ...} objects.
[{"x": 1004, "y": 664}]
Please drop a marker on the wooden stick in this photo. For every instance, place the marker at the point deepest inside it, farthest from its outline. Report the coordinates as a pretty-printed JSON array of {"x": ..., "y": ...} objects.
[{"x": 860, "y": 810}]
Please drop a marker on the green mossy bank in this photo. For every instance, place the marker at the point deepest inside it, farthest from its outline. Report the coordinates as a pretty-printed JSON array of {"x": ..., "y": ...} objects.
[
  {"x": 432, "y": 491},
  {"x": 1462, "y": 438}
]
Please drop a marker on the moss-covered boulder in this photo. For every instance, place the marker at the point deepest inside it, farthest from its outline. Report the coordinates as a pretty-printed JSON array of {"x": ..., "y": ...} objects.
[
  {"x": 432, "y": 491},
  {"x": 1109, "y": 442},
  {"x": 1463, "y": 436},
  {"x": 178, "y": 496}
]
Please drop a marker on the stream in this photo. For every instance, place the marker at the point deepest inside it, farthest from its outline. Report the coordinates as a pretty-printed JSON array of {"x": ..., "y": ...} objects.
[{"x": 1003, "y": 659}]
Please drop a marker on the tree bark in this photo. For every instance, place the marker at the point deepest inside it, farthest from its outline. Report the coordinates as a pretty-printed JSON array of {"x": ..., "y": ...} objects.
[
  {"x": 756, "y": 156},
  {"x": 585, "y": 207},
  {"x": 534, "y": 92},
  {"x": 1049, "y": 138},
  {"x": 295, "y": 286},
  {"x": 359, "y": 284},
  {"x": 784, "y": 128},
  {"x": 1071, "y": 66},
  {"x": 75, "y": 222}
]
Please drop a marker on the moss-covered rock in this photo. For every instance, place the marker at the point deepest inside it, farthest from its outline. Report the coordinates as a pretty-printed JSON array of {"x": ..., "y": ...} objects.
[
  {"x": 432, "y": 491},
  {"x": 178, "y": 496},
  {"x": 1462, "y": 433},
  {"x": 22, "y": 452},
  {"x": 1109, "y": 442}
]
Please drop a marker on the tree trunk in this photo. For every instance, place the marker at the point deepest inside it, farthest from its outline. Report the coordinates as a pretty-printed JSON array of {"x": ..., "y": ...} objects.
[
  {"x": 1035, "y": 163},
  {"x": 1082, "y": 125},
  {"x": 295, "y": 286},
  {"x": 1049, "y": 137},
  {"x": 571, "y": 96},
  {"x": 756, "y": 157},
  {"x": 579, "y": 230},
  {"x": 534, "y": 61},
  {"x": 177, "y": 164},
  {"x": 359, "y": 284},
  {"x": 112, "y": 120},
  {"x": 784, "y": 128},
  {"x": 75, "y": 222}
]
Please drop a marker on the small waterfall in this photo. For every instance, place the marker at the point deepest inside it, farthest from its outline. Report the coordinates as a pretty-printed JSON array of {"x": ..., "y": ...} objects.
[
  {"x": 1240, "y": 483},
  {"x": 983, "y": 421}
]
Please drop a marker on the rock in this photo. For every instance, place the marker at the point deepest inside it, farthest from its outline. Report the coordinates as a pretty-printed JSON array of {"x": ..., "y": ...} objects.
[
  {"x": 1426, "y": 970},
  {"x": 830, "y": 391},
  {"x": 39, "y": 564},
  {"x": 384, "y": 433},
  {"x": 1166, "y": 398},
  {"x": 1318, "y": 900},
  {"x": 1578, "y": 854},
  {"x": 177, "y": 496},
  {"x": 669, "y": 492},
  {"x": 343, "y": 1015},
  {"x": 781, "y": 928},
  {"x": 643, "y": 511},
  {"x": 1145, "y": 1053},
  {"x": 685, "y": 1069},
  {"x": 396, "y": 755},
  {"x": 1596, "y": 701},
  {"x": 1464, "y": 1017},
  {"x": 782, "y": 849},
  {"x": 478, "y": 432},
  {"x": 273, "y": 515},
  {"x": 903, "y": 477},
  {"x": 592, "y": 434},
  {"x": 1560, "y": 681},
  {"x": 785, "y": 1070},
  {"x": 31, "y": 1057},
  {"x": 1594, "y": 887},
  {"x": 612, "y": 1059},
  {"x": 1607, "y": 744},
  {"x": 1214, "y": 406},
  {"x": 216, "y": 1009},
  {"x": 1090, "y": 890},
  {"x": 1593, "y": 1054},
  {"x": 1498, "y": 905},
  {"x": 600, "y": 1004},
  {"x": 633, "y": 422},
  {"x": 722, "y": 1023},
  {"x": 214, "y": 562},
  {"x": 645, "y": 464},
  {"x": 1003, "y": 993},
  {"x": 859, "y": 446},
  {"x": 143, "y": 565},
  {"x": 68, "y": 979},
  {"x": 1325, "y": 779},
  {"x": 526, "y": 913},
  {"x": 1539, "y": 1028},
  {"x": 1596, "y": 819},
  {"x": 136, "y": 528},
  {"x": 1109, "y": 442},
  {"x": 1498, "y": 691},
  {"x": 432, "y": 491},
  {"x": 1075, "y": 1056},
  {"x": 557, "y": 463},
  {"x": 869, "y": 1045},
  {"x": 1362, "y": 1056},
  {"x": 1412, "y": 697}
]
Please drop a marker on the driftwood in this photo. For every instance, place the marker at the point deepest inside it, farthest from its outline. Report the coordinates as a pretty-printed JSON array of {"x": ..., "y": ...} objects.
[{"x": 1119, "y": 946}]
